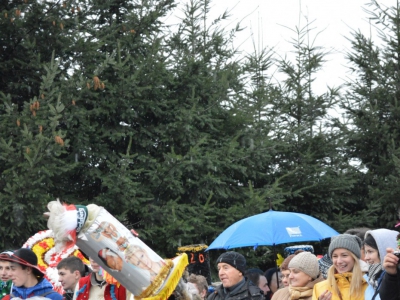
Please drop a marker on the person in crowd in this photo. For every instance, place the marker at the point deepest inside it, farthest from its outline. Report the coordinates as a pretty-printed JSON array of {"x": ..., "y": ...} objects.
[
  {"x": 231, "y": 269},
  {"x": 390, "y": 286},
  {"x": 199, "y": 282},
  {"x": 258, "y": 278},
  {"x": 94, "y": 287},
  {"x": 345, "y": 279},
  {"x": 304, "y": 274},
  {"x": 285, "y": 271},
  {"x": 284, "y": 268},
  {"x": 375, "y": 244},
  {"x": 70, "y": 271},
  {"x": 274, "y": 281},
  {"x": 325, "y": 262},
  {"x": 5, "y": 278},
  {"x": 28, "y": 280}
]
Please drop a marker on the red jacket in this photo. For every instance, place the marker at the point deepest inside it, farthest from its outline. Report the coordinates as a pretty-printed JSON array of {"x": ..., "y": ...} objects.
[{"x": 111, "y": 292}]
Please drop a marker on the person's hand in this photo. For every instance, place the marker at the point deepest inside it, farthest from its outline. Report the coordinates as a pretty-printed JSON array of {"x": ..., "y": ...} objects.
[
  {"x": 390, "y": 262},
  {"x": 327, "y": 295}
]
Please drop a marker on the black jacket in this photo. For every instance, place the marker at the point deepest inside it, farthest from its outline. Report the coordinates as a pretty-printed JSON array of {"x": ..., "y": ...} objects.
[
  {"x": 248, "y": 291},
  {"x": 390, "y": 287}
]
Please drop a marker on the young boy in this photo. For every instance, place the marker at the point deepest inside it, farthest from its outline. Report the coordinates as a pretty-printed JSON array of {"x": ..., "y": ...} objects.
[
  {"x": 5, "y": 278},
  {"x": 70, "y": 270},
  {"x": 28, "y": 280}
]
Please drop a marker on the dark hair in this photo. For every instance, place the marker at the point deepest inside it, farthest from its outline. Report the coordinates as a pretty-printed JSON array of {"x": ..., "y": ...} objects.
[
  {"x": 72, "y": 263},
  {"x": 254, "y": 277},
  {"x": 360, "y": 232},
  {"x": 269, "y": 273},
  {"x": 370, "y": 241}
]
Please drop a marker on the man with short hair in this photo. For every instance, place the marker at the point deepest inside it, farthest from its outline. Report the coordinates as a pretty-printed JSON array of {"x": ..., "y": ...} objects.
[
  {"x": 231, "y": 269},
  {"x": 70, "y": 270},
  {"x": 28, "y": 280}
]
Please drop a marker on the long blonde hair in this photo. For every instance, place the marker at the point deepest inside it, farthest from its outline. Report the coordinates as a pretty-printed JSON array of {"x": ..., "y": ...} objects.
[{"x": 356, "y": 288}]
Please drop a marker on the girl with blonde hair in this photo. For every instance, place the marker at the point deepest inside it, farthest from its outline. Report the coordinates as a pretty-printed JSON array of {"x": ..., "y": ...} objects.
[{"x": 345, "y": 279}]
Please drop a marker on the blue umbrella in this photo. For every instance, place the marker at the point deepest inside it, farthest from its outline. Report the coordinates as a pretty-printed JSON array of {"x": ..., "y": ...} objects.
[{"x": 272, "y": 228}]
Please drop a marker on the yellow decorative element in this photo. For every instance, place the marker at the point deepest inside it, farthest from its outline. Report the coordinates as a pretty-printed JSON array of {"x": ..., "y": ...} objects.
[
  {"x": 280, "y": 260},
  {"x": 40, "y": 249},
  {"x": 79, "y": 255},
  {"x": 172, "y": 280},
  {"x": 158, "y": 280},
  {"x": 192, "y": 248},
  {"x": 109, "y": 279}
]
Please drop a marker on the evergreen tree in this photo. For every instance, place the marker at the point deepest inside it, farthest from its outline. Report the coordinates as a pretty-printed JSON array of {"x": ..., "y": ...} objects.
[
  {"x": 310, "y": 160},
  {"x": 32, "y": 145},
  {"x": 372, "y": 106}
]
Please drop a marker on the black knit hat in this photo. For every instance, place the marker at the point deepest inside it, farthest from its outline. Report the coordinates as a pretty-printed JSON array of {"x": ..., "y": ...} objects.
[
  {"x": 25, "y": 257},
  {"x": 234, "y": 259}
]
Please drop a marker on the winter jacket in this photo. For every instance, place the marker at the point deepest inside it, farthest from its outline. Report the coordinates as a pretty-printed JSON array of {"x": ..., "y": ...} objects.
[
  {"x": 370, "y": 291},
  {"x": 43, "y": 288},
  {"x": 292, "y": 293},
  {"x": 87, "y": 289},
  {"x": 248, "y": 292},
  {"x": 390, "y": 287},
  {"x": 343, "y": 281}
]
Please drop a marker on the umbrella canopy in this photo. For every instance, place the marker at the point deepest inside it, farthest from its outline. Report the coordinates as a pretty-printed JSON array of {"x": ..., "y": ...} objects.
[{"x": 272, "y": 228}]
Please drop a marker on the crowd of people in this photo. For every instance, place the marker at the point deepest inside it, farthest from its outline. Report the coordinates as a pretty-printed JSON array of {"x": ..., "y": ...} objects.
[{"x": 360, "y": 264}]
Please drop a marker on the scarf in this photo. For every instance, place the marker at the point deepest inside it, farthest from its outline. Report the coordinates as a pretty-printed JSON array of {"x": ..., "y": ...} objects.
[
  {"x": 374, "y": 272},
  {"x": 300, "y": 292},
  {"x": 324, "y": 264}
]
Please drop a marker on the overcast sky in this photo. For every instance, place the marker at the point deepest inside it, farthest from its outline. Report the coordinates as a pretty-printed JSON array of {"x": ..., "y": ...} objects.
[{"x": 266, "y": 24}]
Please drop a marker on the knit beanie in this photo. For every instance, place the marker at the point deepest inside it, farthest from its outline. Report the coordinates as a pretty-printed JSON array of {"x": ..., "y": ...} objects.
[
  {"x": 380, "y": 239},
  {"x": 346, "y": 241},
  {"x": 234, "y": 259},
  {"x": 307, "y": 263}
]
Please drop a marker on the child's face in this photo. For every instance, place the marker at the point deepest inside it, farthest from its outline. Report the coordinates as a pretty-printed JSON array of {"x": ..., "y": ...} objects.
[{"x": 4, "y": 270}]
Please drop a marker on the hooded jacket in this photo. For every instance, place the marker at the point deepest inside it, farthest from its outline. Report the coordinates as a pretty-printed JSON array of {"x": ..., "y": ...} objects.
[
  {"x": 42, "y": 289},
  {"x": 343, "y": 281},
  {"x": 384, "y": 238}
]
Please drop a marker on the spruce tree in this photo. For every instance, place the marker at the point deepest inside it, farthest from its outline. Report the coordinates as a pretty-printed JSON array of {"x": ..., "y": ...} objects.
[{"x": 372, "y": 106}]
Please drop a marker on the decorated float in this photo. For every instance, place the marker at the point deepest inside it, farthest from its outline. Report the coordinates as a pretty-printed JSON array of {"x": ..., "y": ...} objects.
[{"x": 120, "y": 253}]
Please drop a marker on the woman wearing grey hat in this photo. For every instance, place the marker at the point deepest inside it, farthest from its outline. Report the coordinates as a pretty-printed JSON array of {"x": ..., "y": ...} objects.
[
  {"x": 375, "y": 244},
  {"x": 345, "y": 279},
  {"x": 304, "y": 274}
]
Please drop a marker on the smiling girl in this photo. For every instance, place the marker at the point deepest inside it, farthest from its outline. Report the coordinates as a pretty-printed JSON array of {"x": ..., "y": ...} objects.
[
  {"x": 345, "y": 279},
  {"x": 375, "y": 244}
]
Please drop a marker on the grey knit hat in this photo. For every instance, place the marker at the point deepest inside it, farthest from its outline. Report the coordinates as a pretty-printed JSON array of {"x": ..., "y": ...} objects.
[
  {"x": 234, "y": 259},
  {"x": 307, "y": 263},
  {"x": 346, "y": 241}
]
